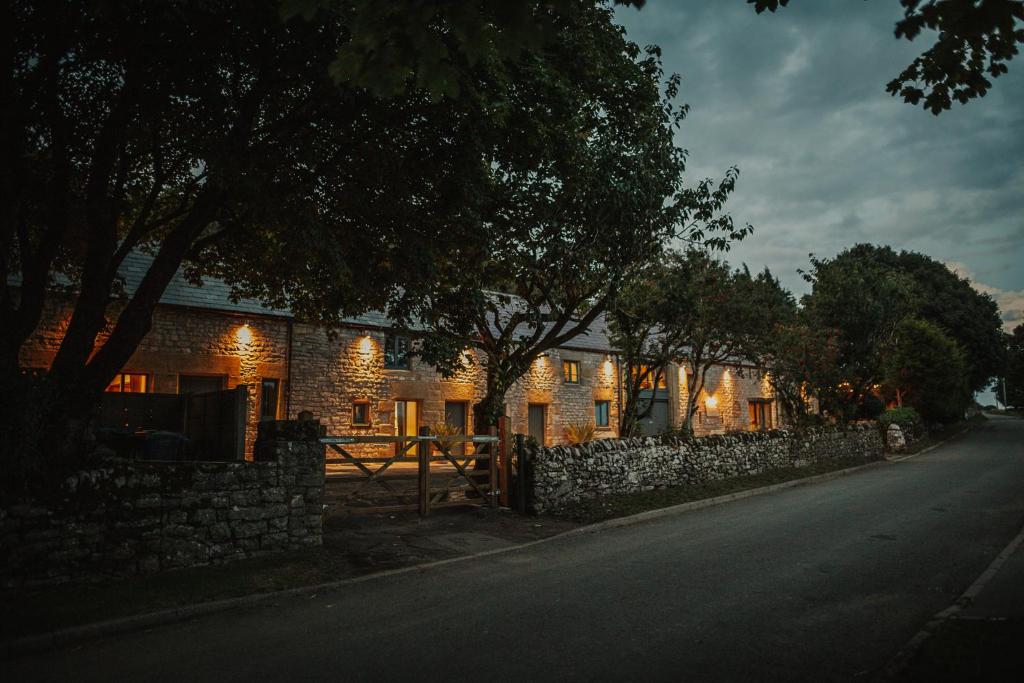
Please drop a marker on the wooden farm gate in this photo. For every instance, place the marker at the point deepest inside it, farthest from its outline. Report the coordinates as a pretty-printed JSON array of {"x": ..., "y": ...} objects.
[{"x": 411, "y": 472}]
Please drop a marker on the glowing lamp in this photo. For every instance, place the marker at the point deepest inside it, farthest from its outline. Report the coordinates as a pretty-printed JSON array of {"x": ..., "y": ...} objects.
[
  {"x": 244, "y": 334},
  {"x": 711, "y": 402},
  {"x": 366, "y": 344}
]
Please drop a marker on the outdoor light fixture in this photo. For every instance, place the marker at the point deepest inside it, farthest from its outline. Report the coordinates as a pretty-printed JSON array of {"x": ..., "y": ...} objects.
[
  {"x": 244, "y": 334},
  {"x": 711, "y": 402},
  {"x": 366, "y": 344}
]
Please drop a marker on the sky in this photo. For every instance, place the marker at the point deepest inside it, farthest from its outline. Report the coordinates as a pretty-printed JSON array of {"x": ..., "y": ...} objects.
[{"x": 827, "y": 157}]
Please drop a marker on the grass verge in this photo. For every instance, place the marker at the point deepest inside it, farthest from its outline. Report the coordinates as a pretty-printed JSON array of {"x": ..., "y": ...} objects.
[
  {"x": 600, "y": 509},
  {"x": 945, "y": 433}
]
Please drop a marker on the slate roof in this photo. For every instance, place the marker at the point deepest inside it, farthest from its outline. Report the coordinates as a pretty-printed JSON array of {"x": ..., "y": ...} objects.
[{"x": 215, "y": 295}]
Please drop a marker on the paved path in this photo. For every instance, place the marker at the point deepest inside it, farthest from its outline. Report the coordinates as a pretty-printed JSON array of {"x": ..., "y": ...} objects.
[{"x": 822, "y": 582}]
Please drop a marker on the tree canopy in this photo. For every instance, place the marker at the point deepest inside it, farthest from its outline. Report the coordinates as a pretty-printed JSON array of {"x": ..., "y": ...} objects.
[
  {"x": 866, "y": 292},
  {"x": 586, "y": 187},
  {"x": 976, "y": 38}
]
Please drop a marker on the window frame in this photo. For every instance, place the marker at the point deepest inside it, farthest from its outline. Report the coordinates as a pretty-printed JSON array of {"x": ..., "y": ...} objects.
[
  {"x": 365, "y": 405},
  {"x": 607, "y": 414},
  {"x": 759, "y": 411},
  {"x": 571, "y": 371},
  {"x": 391, "y": 350},
  {"x": 148, "y": 378},
  {"x": 276, "y": 382}
]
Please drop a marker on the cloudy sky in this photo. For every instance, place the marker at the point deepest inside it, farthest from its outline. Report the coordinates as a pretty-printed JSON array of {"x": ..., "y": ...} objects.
[{"x": 827, "y": 158}]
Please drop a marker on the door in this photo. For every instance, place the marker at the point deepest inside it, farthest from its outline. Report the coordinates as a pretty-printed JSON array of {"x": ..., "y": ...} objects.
[
  {"x": 536, "y": 421},
  {"x": 407, "y": 422},
  {"x": 455, "y": 416},
  {"x": 657, "y": 421}
]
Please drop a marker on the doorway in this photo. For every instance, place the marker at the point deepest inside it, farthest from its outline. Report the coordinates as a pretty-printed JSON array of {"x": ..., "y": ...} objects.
[
  {"x": 536, "y": 422},
  {"x": 407, "y": 418}
]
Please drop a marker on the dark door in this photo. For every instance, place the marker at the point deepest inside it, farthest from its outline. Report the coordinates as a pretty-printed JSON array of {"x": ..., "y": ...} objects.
[
  {"x": 199, "y": 384},
  {"x": 657, "y": 420},
  {"x": 536, "y": 421},
  {"x": 455, "y": 416}
]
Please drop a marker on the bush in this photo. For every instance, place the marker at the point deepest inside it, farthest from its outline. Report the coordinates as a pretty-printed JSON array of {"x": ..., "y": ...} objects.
[
  {"x": 580, "y": 433},
  {"x": 870, "y": 408},
  {"x": 908, "y": 420}
]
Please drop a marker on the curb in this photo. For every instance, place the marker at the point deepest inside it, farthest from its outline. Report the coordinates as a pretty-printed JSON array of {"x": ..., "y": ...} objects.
[
  {"x": 76, "y": 634},
  {"x": 906, "y": 653}
]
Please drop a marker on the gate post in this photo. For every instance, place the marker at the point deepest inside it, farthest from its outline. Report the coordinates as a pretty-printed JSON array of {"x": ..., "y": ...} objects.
[
  {"x": 521, "y": 485},
  {"x": 505, "y": 449},
  {"x": 423, "y": 462},
  {"x": 492, "y": 469}
]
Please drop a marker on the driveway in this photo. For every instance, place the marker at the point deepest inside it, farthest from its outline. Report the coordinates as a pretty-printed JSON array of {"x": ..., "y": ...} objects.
[{"x": 818, "y": 582}]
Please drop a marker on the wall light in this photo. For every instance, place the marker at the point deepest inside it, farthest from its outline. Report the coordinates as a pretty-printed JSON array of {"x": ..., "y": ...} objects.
[
  {"x": 366, "y": 344},
  {"x": 244, "y": 334},
  {"x": 711, "y": 402}
]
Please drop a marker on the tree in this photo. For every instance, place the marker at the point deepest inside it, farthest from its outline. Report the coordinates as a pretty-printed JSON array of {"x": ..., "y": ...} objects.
[
  {"x": 647, "y": 324},
  {"x": 927, "y": 370},
  {"x": 1009, "y": 387},
  {"x": 569, "y": 227},
  {"x": 733, "y": 316},
  {"x": 942, "y": 297},
  {"x": 801, "y": 362},
  {"x": 212, "y": 136},
  {"x": 975, "y": 40},
  {"x": 862, "y": 301}
]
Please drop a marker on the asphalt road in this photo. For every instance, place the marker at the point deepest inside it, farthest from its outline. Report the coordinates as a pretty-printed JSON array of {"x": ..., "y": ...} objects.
[{"x": 819, "y": 582}]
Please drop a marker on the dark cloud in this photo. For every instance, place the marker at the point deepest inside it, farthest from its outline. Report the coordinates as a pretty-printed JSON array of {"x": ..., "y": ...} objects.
[{"x": 827, "y": 158}]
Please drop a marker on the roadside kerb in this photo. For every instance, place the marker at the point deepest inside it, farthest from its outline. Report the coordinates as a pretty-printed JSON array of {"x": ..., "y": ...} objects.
[
  {"x": 907, "y": 652},
  {"x": 76, "y": 634}
]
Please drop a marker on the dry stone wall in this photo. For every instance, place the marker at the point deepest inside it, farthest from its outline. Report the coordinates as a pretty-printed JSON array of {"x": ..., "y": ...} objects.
[
  {"x": 563, "y": 475},
  {"x": 131, "y": 518}
]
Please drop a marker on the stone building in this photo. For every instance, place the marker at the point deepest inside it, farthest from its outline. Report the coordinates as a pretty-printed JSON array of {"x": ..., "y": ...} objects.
[{"x": 362, "y": 379}]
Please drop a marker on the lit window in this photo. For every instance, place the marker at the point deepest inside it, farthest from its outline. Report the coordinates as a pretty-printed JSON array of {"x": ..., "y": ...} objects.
[
  {"x": 361, "y": 414},
  {"x": 645, "y": 384},
  {"x": 571, "y": 371},
  {"x": 129, "y": 382},
  {"x": 601, "y": 413},
  {"x": 760, "y": 413},
  {"x": 396, "y": 352},
  {"x": 268, "y": 399}
]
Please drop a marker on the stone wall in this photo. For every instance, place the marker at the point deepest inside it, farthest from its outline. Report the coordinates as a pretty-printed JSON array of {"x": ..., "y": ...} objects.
[
  {"x": 132, "y": 518},
  {"x": 563, "y": 475}
]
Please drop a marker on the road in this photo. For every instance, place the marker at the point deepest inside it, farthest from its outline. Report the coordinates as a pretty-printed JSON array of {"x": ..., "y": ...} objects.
[{"x": 819, "y": 582}]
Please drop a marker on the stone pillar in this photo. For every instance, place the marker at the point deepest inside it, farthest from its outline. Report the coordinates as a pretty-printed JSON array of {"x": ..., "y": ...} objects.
[{"x": 294, "y": 447}]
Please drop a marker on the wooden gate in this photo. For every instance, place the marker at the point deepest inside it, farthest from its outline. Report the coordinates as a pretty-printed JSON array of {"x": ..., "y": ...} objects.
[{"x": 420, "y": 473}]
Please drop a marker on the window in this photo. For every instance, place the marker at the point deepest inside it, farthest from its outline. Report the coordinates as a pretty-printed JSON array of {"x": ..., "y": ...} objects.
[
  {"x": 760, "y": 413},
  {"x": 129, "y": 382},
  {"x": 396, "y": 352},
  {"x": 645, "y": 384},
  {"x": 360, "y": 413},
  {"x": 571, "y": 371},
  {"x": 601, "y": 413},
  {"x": 268, "y": 398}
]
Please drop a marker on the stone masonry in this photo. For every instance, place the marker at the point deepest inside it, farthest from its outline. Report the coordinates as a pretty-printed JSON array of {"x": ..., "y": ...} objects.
[
  {"x": 129, "y": 518},
  {"x": 563, "y": 475}
]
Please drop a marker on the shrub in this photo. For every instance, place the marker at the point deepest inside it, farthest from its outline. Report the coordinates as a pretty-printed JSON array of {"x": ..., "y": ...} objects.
[
  {"x": 870, "y": 408},
  {"x": 580, "y": 433},
  {"x": 443, "y": 429},
  {"x": 907, "y": 418}
]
